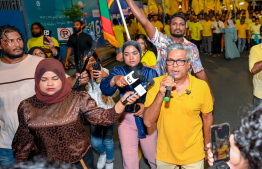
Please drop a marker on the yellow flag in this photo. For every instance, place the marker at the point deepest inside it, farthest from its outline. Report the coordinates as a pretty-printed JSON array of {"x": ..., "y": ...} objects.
[
  {"x": 145, "y": 11},
  {"x": 159, "y": 9},
  {"x": 227, "y": 3},
  {"x": 174, "y": 7},
  {"x": 184, "y": 7},
  {"x": 241, "y": 4},
  {"x": 152, "y": 6},
  {"x": 167, "y": 5},
  {"x": 210, "y": 4},
  {"x": 218, "y": 7},
  {"x": 195, "y": 6}
]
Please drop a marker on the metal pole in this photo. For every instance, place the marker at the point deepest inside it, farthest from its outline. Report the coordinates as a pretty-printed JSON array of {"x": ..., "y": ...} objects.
[
  {"x": 204, "y": 9},
  {"x": 123, "y": 19},
  {"x": 235, "y": 11},
  {"x": 164, "y": 12},
  {"x": 191, "y": 7}
]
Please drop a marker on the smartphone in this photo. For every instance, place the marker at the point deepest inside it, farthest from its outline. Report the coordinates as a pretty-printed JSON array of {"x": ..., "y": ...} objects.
[
  {"x": 96, "y": 66},
  {"x": 220, "y": 142},
  {"x": 47, "y": 33}
]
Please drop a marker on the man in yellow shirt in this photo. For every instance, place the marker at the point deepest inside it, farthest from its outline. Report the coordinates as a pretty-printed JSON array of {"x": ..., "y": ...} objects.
[
  {"x": 249, "y": 32},
  {"x": 180, "y": 136},
  {"x": 37, "y": 39},
  {"x": 249, "y": 19},
  {"x": 131, "y": 28},
  {"x": 195, "y": 32},
  {"x": 119, "y": 34},
  {"x": 255, "y": 67},
  {"x": 242, "y": 35},
  {"x": 207, "y": 35},
  {"x": 237, "y": 19},
  {"x": 157, "y": 23}
]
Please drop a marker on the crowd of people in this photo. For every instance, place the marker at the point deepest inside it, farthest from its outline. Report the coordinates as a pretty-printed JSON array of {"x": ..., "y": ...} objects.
[{"x": 43, "y": 115}]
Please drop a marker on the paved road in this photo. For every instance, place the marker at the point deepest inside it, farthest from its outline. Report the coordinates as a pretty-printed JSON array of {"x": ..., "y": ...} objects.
[{"x": 231, "y": 83}]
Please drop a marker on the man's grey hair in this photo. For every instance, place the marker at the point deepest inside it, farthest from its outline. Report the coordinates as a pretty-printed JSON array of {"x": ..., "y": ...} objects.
[{"x": 179, "y": 46}]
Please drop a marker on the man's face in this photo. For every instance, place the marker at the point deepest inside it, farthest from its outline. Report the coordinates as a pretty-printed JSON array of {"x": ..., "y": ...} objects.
[
  {"x": 242, "y": 21},
  {"x": 182, "y": 65},
  {"x": 77, "y": 27},
  {"x": 191, "y": 18},
  {"x": 207, "y": 18},
  {"x": 177, "y": 27},
  {"x": 217, "y": 18},
  {"x": 238, "y": 16},
  {"x": 257, "y": 22},
  {"x": 195, "y": 20},
  {"x": 36, "y": 31},
  {"x": 250, "y": 16},
  {"x": 12, "y": 45},
  {"x": 201, "y": 17},
  {"x": 155, "y": 18}
]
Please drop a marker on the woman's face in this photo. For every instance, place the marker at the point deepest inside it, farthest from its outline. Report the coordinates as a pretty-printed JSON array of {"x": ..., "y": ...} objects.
[
  {"x": 90, "y": 63},
  {"x": 38, "y": 52},
  {"x": 132, "y": 56},
  {"x": 50, "y": 83},
  {"x": 142, "y": 44}
]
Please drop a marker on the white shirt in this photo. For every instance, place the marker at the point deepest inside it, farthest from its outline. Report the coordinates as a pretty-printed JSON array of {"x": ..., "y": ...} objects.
[{"x": 214, "y": 25}]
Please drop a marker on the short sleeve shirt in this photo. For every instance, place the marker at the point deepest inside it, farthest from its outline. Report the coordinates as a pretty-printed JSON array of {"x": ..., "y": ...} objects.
[
  {"x": 179, "y": 125},
  {"x": 255, "y": 29},
  {"x": 39, "y": 42},
  {"x": 242, "y": 30},
  {"x": 158, "y": 25},
  {"x": 80, "y": 43},
  {"x": 214, "y": 25},
  {"x": 119, "y": 34},
  {"x": 161, "y": 42},
  {"x": 195, "y": 30},
  {"x": 207, "y": 28}
]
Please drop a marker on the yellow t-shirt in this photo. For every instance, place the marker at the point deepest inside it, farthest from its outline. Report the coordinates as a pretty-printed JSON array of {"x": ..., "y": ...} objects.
[
  {"x": 254, "y": 57},
  {"x": 148, "y": 58},
  {"x": 195, "y": 29},
  {"x": 158, "y": 25},
  {"x": 222, "y": 152},
  {"x": 255, "y": 29},
  {"x": 242, "y": 30},
  {"x": 39, "y": 41},
  {"x": 119, "y": 34},
  {"x": 140, "y": 29},
  {"x": 237, "y": 22},
  {"x": 207, "y": 28},
  {"x": 131, "y": 30},
  {"x": 249, "y": 25},
  {"x": 189, "y": 25},
  {"x": 260, "y": 20},
  {"x": 167, "y": 30},
  {"x": 180, "y": 138},
  {"x": 247, "y": 21}
]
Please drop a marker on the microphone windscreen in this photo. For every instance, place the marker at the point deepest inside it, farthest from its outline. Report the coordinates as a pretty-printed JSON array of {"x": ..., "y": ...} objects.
[
  {"x": 172, "y": 75},
  {"x": 137, "y": 74}
]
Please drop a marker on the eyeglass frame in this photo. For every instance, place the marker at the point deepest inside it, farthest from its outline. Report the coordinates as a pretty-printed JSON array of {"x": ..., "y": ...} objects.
[{"x": 176, "y": 61}]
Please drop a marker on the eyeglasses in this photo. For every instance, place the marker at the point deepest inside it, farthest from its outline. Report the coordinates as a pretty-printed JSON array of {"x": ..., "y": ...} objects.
[{"x": 179, "y": 62}]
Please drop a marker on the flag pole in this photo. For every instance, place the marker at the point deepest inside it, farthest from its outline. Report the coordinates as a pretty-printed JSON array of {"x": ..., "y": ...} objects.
[
  {"x": 164, "y": 12},
  {"x": 204, "y": 9},
  {"x": 123, "y": 19},
  {"x": 191, "y": 7}
]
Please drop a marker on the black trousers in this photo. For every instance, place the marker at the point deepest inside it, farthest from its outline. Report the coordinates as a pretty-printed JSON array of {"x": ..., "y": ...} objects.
[{"x": 217, "y": 43}]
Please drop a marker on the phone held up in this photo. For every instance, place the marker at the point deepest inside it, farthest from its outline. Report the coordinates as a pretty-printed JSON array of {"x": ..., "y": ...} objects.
[
  {"x": 96, "y": 66},
  {"x": 220, "y": 142},
  {"x": 47, "y": 33}
]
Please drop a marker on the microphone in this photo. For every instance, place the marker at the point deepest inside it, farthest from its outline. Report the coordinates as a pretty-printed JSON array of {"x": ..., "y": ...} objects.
[
  {"x": 168, "y": 89},
  {"x": 141, "y": 90},
  {"x": 133, "y": 76}
]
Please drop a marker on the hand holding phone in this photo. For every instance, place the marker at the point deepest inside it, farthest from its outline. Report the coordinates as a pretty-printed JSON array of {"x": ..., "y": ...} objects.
[
  {"x": 220, "y": 142},
  {"x": 97, "y": 70},
  {"x": 47, "y": 33}
]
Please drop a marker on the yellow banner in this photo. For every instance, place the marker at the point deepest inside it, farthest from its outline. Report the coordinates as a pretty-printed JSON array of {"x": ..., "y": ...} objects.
[{"x": 152, "y": 6}]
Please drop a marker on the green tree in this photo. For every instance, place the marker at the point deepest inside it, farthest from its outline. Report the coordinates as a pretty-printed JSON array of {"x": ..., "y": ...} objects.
[{"x": 73, "y": 13}]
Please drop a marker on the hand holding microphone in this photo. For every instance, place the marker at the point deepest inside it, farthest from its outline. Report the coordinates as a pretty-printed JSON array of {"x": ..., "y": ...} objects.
[{"x": 166, "y": 86}]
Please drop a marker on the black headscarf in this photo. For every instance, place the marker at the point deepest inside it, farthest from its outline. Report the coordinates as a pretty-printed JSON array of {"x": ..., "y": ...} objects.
[
  {"x": 33, "y": 49},
  {"x": 139, "y": 66}
]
